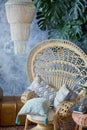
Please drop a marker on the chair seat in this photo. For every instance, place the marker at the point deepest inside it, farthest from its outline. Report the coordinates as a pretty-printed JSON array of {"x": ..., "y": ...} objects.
[{"x": 39, "y": 118}]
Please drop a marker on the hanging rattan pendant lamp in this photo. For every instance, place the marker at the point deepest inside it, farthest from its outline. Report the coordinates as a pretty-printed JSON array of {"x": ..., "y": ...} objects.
[{"x": 20, "y": 14}]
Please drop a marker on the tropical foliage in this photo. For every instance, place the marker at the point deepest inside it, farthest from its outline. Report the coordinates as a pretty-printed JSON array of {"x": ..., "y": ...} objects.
[{"x": 63, "y": 19}]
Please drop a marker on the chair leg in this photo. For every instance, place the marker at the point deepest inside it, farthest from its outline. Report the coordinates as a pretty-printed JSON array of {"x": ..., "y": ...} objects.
[
  {"x": 80, "y": 127},
  {"x": 26, "y": 124},
  {"x": 76, "y": 127}
]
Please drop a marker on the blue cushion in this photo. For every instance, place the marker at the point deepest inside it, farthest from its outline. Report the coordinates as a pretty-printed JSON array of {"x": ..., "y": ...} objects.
[
  {"x": 42, "y": 89},
  {"x": 61, "y": 95},
  {"x": 34, "y": 106}
]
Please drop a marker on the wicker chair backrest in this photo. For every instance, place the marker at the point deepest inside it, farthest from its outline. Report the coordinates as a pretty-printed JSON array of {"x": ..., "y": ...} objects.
[{"x": 58, "y": 62}]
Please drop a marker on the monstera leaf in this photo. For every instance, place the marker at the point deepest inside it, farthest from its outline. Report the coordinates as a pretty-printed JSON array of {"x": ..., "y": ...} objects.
[
  {"x": 41, "y": 20},
  {"x": 63, "y": 18}
]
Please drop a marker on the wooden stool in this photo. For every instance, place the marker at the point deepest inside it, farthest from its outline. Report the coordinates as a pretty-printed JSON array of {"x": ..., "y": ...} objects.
[{"x": 80, "y": 120}]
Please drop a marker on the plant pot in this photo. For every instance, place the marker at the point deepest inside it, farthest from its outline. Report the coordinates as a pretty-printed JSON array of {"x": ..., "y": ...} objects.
[{"x": 20, "y": 14}]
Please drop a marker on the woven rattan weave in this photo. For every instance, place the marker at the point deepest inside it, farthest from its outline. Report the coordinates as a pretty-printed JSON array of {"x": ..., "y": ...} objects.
[
  {"x": 81, "y": 120},
  {"x": 58, "y": 62}
]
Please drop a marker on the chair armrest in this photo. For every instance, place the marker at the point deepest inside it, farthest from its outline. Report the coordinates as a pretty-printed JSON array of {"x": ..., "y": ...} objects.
[
  {"x": 27, "y": 95},
  {"x": 63, "y": 113},
  {"x": 64, "y": 108}
]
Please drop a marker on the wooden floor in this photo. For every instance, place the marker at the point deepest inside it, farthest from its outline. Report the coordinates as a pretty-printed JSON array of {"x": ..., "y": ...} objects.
[
  {"x": 22, "y": 128},
  {"x": 15, "y": 127}
]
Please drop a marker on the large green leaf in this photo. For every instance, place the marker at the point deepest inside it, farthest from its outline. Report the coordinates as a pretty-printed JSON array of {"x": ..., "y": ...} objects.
[{"x": 63, "y": 18}]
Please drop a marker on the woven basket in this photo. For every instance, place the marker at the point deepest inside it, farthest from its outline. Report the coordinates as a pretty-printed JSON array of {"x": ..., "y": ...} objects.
[{"x": 80, "y": 119}]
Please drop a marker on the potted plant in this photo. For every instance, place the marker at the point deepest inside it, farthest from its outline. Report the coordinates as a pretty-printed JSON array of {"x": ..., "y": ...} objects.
[{"x": 64, "y": 19}]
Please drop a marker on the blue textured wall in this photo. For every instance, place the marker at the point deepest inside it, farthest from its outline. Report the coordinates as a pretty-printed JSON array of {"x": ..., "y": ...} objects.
[{"x": 13, "y": 77}]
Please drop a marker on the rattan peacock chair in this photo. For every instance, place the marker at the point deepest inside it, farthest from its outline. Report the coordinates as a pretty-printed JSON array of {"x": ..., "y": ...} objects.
[{"x": 57, "y": 62}]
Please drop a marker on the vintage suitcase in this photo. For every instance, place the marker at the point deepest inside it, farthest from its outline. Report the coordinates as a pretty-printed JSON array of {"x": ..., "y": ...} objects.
[
  {"x": 8, "y": 113},
  {"x": 9, "y": 107},
  {"x": 0, "y": 112},
  {"x": 19, "y": 105}
]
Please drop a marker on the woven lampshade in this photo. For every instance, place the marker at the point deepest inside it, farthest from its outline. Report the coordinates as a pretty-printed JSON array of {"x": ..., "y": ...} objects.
[{"x": 20, "y": 15}]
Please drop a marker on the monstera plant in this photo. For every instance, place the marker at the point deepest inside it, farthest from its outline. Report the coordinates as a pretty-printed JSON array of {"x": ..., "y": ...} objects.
[{"x": 63, "y": 19}]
